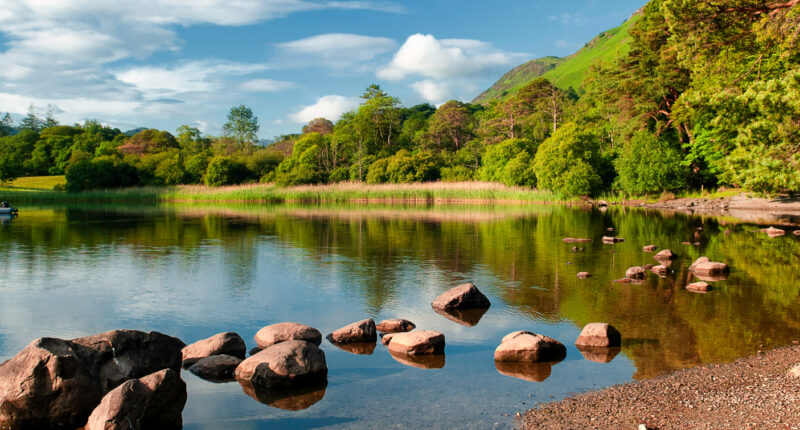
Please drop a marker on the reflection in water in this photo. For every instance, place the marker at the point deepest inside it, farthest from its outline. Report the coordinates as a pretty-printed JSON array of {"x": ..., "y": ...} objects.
[
  {"x": 534, "y": 372},
  {"x": 598, "y": 354},
  {"x": 359, "y": 348},
  {"x": 465, "y": 317},
  {"x": 287, "y": 399},
  {"x": 421, "y": 361}
]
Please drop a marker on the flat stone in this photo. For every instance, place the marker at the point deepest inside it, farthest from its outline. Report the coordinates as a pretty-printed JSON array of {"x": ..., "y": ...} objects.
[
  {"x": 395, "y": 325},
  {"x": 599, "y": 334},
  {"x": 359, "y": 331},
  {"x": 419, "y": 342},
  {"x": 282, "y": 332},
  {"x": 464, "y": 296},
  {"x": 611, "y": 239},
  {"x": 227, "y": 343},
  {"x": 529, "y": 347}
]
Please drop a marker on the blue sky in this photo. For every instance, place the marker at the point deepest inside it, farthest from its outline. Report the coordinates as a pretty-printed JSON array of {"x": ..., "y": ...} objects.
[{"x": 164, "y": 63}]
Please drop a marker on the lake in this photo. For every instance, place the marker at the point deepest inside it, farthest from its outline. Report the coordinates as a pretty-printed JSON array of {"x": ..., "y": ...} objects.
[{"x": 194, "y": 271}]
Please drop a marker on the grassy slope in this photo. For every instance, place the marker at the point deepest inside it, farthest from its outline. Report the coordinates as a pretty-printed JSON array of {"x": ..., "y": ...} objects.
[
  {"x": 565, "y": 72},
  {"x": 32, "y": 183}
]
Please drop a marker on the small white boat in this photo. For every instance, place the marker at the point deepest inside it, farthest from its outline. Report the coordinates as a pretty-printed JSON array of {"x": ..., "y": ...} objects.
[{"x": 6, "y": 209}]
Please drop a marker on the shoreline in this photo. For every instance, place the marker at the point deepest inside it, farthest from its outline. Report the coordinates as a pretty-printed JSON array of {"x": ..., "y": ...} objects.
[{"x": 751, "y": 392}]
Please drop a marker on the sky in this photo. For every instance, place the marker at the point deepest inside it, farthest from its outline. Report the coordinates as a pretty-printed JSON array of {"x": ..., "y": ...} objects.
[{"x": 166, "y": 63}]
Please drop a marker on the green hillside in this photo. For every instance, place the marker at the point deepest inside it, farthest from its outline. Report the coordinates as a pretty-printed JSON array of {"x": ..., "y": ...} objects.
[{"x": 563, "y": 72}]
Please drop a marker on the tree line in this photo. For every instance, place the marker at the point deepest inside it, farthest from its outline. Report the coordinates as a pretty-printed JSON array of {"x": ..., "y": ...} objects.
[{"x": 707, "y": 95}]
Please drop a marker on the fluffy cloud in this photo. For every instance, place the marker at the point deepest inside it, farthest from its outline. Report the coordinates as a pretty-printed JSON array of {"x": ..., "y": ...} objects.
[
  {"x": 426, "y": 56},
  {"x": 339, "y": 50},
  {"x": 330, "y": 107}
]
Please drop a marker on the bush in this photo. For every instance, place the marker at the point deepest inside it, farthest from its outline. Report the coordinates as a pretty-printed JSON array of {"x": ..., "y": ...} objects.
[
  {"x": 509, "y": 162},
  {"x": 520, "y": 171},
  {"x": 457, "y": 174},
  {"x": 100, "y": 173},
  {"x": 377, "y": 172},
  {"x": 648, "y": 165},
  {"x": 567, "y": 162},
  {"x": 303, "y": 166},
  {"x": 339, "y": 174},
  {"x": 225, "y": 171},
  {"x": 195, "y": 168}
]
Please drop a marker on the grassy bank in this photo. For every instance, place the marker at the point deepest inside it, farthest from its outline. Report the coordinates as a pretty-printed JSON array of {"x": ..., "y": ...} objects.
[{"x": 435, "y": 192}]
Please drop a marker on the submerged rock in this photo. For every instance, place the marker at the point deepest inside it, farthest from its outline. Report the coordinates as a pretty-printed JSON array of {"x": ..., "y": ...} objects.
[
  {"x": 649, "y": 248},
  {"x": 359, "y": 331},
  {"x": 228, "y": 343},
  {"x": 583, "y": 275},
  {"x": 285, "y": 331},
  {"x": 292, "y": 363},
  {"x": 636, "y": 272},
  {"x": 216, "y": 368},
  {"x": 420, "y": 342},
  {"x": 464, "y": 296},
  {"x": 155, "y": 401},
  {"x": 529, "y": 347},
  {"x": 699, "y": 287},
  {"x": 599, "y": 334},
  {"x": 611, "y": 239},
  {"x": 396, "y": 325}
]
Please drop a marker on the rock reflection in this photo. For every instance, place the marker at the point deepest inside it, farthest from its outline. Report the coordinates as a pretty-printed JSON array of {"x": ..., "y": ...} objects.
[
  {"x": 534, "y": 372},
  {"x": 598, "y": 354},
  {"x": 420, "y": 361},
  {"x": 294, "y": 399},
  {"x": 468, "y": 317},
  {"x": 711, "y": 278},
  {"x": 360, "y": 348}
]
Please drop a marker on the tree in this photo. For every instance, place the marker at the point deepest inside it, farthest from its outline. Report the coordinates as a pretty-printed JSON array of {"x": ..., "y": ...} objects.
[
  {"x": 649, "y": 165},
  {"x": 450, "y": 127},
  {"x": 318, "y": 125},
  {"x": 568, "y": 162},
  {"x": 31, "y": 121},
  {"x": 242, "y": 126},
  {"x": 6, "y": 125},
  {"x": 50, "y": 119}
]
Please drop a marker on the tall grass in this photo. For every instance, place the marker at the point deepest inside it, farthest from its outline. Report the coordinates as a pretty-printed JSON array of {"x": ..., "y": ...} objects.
[{"x": 434, "y": 192}]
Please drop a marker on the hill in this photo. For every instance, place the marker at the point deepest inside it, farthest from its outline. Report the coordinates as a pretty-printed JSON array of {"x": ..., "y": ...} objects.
[{"x": 563, "y": 72}]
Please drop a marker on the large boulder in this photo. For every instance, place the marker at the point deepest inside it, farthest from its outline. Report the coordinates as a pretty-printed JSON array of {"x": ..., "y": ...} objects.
[
  {"x": 705, "y": 267},
  {"x": 529, "y": 347},
  {"x": 155, "y": 401},
  {"x": 421, "y": 342},
  {"x": 464, "y": 296},
  {"x": 216, "y": 368},
  {"x": 395, "y": 325},
  {"x": 636, "y": 272},
  {"x": 359, "y": 331},
  {"x": 228, "y": 343},
  {"x": 55, "y": 382},
  {"x": 281, "y": 332},
  {"x": 599, "y": 334},
  {"x": 293, "y": 363}
]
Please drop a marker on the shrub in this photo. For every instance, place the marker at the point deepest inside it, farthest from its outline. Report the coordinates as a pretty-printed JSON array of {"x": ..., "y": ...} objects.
[
  {"x": 649, "y": 165},
  {"x": 100, "y": 173},
  {"x": 567, "y": 162},
  {"x": 377, "y": 172},
  {"x": 509, "y": 162},
  {"x": 225, "y": 171},
  {"x": 457, "y": 174}
]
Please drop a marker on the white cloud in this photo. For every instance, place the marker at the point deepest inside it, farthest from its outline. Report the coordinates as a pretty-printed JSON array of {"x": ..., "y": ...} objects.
[
  {"x": 432, "y": 91},
  {"x": 338, "y": 50},
  {"x": 426, "y": 56},
  {"x": 330, "y": 107},
  {"x": 567, "y": 18},
  {"x": 195, "y": 76},
  {"x": 266, "y": 85}
]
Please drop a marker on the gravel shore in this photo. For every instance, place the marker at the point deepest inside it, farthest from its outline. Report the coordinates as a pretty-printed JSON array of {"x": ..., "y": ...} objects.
[{"x": 750, "y": 393}]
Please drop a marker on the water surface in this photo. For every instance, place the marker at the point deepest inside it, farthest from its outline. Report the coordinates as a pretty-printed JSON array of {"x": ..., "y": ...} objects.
[{"x": 195, "y": 271}]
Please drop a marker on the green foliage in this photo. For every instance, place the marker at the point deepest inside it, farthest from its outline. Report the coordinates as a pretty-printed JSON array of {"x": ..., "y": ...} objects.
[
  {"x": 565, "y": 162},
  {"x": 457, "y": 174},
  {"x": 649, "y": 165},
  {"x": 242, "y": 125},
  {"x": 404, "y": 167},
  {"x": 509, "y": 162},
  {"x": 224, "y": 171},
  {"x": 99, "y": 173},
  {"x": 304, "y": 166}
]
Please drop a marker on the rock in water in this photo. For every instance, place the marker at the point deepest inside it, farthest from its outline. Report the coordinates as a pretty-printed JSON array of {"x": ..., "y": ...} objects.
[
  {"x": 464, "y": 296},
  {"x": 155, "y": 401},
  {"x": 228, "y": 343},
  {"x": 612, "y": 240},
  {"x": 57, "y": 383},
  {"x": 773, "y": 232},
  {"x": 665, "y": 255},
  {"x": 292, "y": 363},
  {"x": 421, "y": 342},
  {"x": 636, "y": 272},
  {"x": 706, "y": 267},
  {"x": 281, "y": 332},
  {"x": 216, "y": 368},
  {"x": 649, "y": 248},
  {"x": 599, "y": 334},
  {"x": 359, "y": 331},
  {"x": 583, "y": 275},
  {"x": 529, "y": 347},
  {"x": 396, "y": 325},
  {"x": 660, "y": 270},
  {"x": 698, "y": 287}
]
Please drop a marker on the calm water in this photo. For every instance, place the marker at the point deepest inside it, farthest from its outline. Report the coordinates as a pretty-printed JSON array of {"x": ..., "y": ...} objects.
[{"x": 193, "y": 272}]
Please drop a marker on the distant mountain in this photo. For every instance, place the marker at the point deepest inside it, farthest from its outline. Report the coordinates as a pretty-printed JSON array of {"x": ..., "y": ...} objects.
[
  {"x": 130, "y": 133},
  {"x": 563, "y": 72}
]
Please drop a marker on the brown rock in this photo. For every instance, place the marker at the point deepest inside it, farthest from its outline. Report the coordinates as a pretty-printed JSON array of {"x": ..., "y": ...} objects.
[
  {"x": 464, "y": 296},
  {"x": 648, "y": 266},
  {"x": 289, "y": 399},
  {"x": 636, "y": 272},
  {"x": 420, "y": 342},
  {"x": 359, "y": 331},
  {"x": 611, "y": 239},
  {"x": 698, "y": 287},
  {"x": 574, "y": 240},
  {"x": 598, "y": 354},
  {"x": 660, "y": 270},
  {"x": 534, "y": 372},
  {"x": 54, "y": 382},
  {"x": 435, "y": 361},
  {"x": 773, "y": 232},
  {"x": 529, "y": 347},
  {"x": 216, "y": 368},
  {"x": 281, "y": 332},
  {"x": 386, "y": 338},
  {"x": 649, "y": 248},
  {"x": 292, "y": 363},
  {"x": 599, "y": 334},
  {"x": 583, "y": 275},
  {"x": 796, "y": 232},
  {"x": 396, "y": 325},
  {"x": 703, "y": 266},
  {"x": 665, "y": 255},
  {"x": 228, "y": 343},
  {"x": 154, "y": 401}
]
